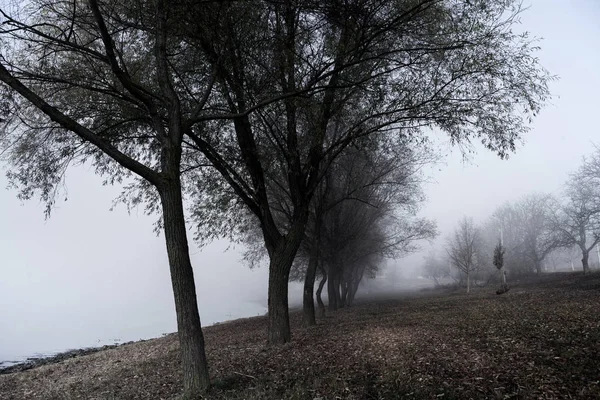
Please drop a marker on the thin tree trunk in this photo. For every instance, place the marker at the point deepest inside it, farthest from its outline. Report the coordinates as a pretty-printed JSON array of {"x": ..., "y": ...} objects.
[
  {"x": 468, "y": 282},
  {"x": 308, "y": 305},
  {"x": 338, "y": 291},
  {"x": 331, "y": 290},
  {"x": 321, "y": 312},
  {"x": 191, "y": 339}
]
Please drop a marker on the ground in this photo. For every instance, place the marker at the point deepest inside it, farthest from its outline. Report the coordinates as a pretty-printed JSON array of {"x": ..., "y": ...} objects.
[{"x": 540, "y": 340}]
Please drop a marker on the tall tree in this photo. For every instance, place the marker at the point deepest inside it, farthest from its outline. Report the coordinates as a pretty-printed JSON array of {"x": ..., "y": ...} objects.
[
  {"x": 108, "y": 84},
  {"x": 463, "y": 246},
  {"x": 300, "y": 81},
  {"x": 285, "y": 75}
]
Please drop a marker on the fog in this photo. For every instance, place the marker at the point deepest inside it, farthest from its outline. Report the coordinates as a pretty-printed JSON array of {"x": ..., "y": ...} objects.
[{"x": 90, "y": 276}]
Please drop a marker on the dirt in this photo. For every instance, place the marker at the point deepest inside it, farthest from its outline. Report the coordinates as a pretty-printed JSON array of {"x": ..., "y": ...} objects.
[{"x": 539, "y": 340}]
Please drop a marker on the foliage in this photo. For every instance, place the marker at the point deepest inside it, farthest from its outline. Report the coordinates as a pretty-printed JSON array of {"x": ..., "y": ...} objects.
[{"x": 499, "y": 256}]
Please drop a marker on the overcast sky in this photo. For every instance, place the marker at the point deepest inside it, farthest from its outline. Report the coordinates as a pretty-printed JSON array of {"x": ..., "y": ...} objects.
[{"x": 89, "y": 275}]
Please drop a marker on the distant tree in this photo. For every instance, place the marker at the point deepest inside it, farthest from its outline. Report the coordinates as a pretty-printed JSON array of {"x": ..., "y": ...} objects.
[
  {"x": 462, "y": 248},
  {"x": 577, "y": 221},
  {"x": 537, "y": 238},
  {"x": 499, "y": 264},
  {"x": 434, "y": 268}
]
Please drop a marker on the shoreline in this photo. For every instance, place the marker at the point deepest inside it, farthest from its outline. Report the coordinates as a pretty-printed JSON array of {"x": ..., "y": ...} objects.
[{"x": 34, "y": 362}]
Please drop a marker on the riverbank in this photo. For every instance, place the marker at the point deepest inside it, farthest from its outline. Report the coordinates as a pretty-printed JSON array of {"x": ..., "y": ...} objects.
[{"x": 540, "y": 340}]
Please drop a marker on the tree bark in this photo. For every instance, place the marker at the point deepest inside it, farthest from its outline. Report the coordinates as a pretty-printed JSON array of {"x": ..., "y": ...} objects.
[
  {"x": 585, "y": 261},
  {"x": 538, "y": 267},
  {"x": 344, "y": 286},
  {"x": 191, "y": 339},
  {"x": 321, "y": 312},
  {"x": 308, "y": 305},
  {"x": 468, "y": 282},
  {"x": 281, "y": 259}
]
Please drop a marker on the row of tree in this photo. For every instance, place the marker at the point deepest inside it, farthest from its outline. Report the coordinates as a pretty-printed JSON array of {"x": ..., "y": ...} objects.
[
  {"x": 248, "y": 109},
  {"x": 534, "y": 231}
]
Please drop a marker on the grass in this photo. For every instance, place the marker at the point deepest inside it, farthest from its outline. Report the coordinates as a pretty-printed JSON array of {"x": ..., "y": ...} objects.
[{"x": 540, "y": 340}]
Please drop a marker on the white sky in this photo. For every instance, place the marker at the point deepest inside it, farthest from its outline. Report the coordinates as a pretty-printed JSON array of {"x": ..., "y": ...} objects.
[{"x": 89, "y": 275}]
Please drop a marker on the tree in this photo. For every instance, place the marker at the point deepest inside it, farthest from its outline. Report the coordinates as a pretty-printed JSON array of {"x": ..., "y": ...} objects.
[
  {"x": 462, "y": 248},
  {"x": 363, "y": 211},
  {"x": 434, "y": 268},
  {"x": 369, "y": 214},
  {"x": 298, "y": 82},
  {"x": 577, "y": 222},
  {"x": 98, "y": 83},
  {"x": 499, "y": 264},
  {"x": 287, "y": 84},
  {"x": 537, "y": 237}
]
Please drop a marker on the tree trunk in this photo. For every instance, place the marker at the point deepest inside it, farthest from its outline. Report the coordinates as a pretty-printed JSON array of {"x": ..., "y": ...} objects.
[
  {"x": 585, "y": 262},
  {"x": 468, "y": 282},
  {"x": 279, "y": 320},
  {"x": 352, "y": 292},
  {"x": 338, "y": 290},
  {"x": 331, "y": 290},
  {"x": 308, "y": 305},
  {"x": 538, "y": 267},
  {"x": 281, "y": 258},
  {"x": 344, "y": 293},
  {"x": 191, "y": 340},
  {"x": 321, "y": 312}
]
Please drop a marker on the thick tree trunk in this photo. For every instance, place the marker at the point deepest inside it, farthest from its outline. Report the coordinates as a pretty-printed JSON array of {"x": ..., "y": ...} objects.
[
  {"x": 308, "y": 304},
  {"x": 353, "y": 289},
  {"x": 585, "y": 261},
  {"x": 538, "y": 267},
  {"x": 321, "y": 312},
  {"x": 191, "y": 340},
  {"x": 281, "y": 259},
  {"x": 344, "y": 293},
  {"x": 279, "y": 321}
]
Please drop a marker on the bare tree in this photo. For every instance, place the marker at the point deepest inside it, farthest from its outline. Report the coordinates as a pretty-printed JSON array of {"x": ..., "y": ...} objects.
[
  {"x": 462, "y": 248},
  {"x": 577, "y": 222},
  {"x": 537, "y": 238},
  {"x": 434, "y": 268}
]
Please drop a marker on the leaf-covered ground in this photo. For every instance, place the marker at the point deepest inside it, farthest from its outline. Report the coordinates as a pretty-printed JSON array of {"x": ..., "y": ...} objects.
[{"x": 540, "y": 340}]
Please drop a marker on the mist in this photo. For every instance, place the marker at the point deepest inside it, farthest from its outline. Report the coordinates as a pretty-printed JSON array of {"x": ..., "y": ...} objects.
[{"x": 89, "y": 275}]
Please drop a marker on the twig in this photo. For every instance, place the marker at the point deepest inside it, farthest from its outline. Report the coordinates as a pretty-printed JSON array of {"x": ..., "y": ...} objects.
[{"x": 247, "y": 376}]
